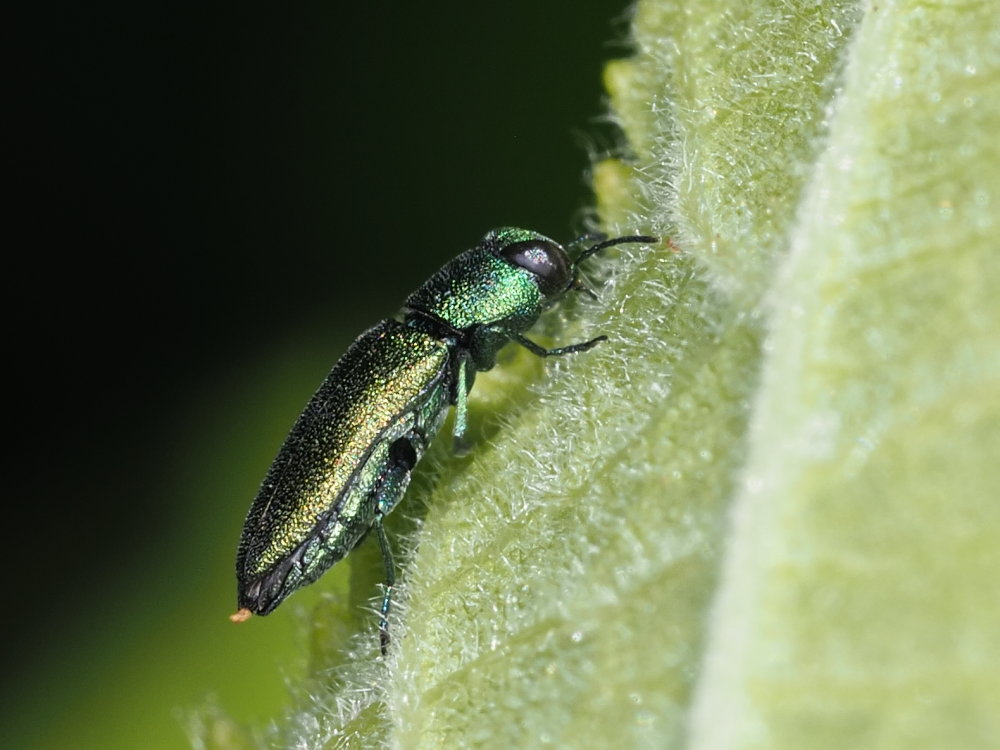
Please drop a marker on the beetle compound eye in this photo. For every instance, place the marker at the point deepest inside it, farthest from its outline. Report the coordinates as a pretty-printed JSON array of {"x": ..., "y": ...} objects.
[{"x": 546, "y": 261}]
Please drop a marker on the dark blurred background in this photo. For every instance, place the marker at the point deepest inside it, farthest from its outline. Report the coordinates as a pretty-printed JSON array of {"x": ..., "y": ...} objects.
[{"x": 210, "y": 203}]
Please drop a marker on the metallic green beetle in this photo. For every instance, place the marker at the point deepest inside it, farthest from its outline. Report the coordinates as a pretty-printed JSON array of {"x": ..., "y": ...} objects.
[{"x": 348, "y": 458}]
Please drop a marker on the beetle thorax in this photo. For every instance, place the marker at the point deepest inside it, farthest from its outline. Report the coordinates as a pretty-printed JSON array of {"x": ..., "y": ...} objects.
[{"x": 478, "y": 289}]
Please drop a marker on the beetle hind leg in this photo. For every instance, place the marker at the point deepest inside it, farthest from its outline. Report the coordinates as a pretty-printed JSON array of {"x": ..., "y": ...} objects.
[{"x": 403, "y": 456}]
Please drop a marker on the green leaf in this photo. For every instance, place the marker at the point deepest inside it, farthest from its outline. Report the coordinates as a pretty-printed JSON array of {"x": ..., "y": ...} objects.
[{"x": 765, "y": 513}]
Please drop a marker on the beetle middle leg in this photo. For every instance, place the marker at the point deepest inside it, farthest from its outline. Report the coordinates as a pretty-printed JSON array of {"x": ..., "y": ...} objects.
[
  {"x": 390, "y": 581},
  {"x": 464, "y": 375}
]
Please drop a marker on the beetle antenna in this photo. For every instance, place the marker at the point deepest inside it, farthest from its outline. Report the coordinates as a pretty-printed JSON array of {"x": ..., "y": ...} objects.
[
  {"x": 636, "y": 238},
  {"x": 587, "y": 237}
]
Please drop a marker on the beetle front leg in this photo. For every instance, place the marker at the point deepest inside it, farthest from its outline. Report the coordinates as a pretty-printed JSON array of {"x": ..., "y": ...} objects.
[{"x": 534, "y": 348}]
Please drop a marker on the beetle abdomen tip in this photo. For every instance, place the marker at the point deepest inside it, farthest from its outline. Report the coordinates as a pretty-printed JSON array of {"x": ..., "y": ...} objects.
[{"x": 241, "y": 615}]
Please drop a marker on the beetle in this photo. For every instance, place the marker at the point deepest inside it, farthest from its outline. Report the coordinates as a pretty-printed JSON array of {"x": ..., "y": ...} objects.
[{"x": 347, "y": 460}]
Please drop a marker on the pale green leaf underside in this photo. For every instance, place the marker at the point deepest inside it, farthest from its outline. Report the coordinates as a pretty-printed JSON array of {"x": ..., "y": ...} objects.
[{"x": 765, "y": 514}]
